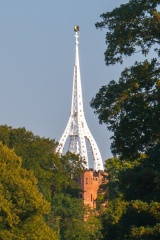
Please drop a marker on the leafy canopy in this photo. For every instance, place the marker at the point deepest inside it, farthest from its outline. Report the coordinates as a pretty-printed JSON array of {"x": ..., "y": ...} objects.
[
  {"x": 56, "y": 181},
  {"x": 132, "y": 27},
  {"x": 133, "y": 198},
  {"x": 21, "y": 204},
  {"x": 38, "y": 154},
  {"x": 131, "y": 106},
  {"x": 131, "y": 110}
]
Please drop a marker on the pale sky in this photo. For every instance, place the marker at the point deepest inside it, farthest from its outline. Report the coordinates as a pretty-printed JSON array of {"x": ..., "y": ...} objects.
[{"x": 36, "y": 64}]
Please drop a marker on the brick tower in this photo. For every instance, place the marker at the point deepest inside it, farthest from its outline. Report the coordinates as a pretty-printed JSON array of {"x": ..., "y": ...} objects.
[{"x": 90, "y": 182}]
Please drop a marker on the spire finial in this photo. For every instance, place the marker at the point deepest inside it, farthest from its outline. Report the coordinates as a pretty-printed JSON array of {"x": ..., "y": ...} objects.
[{"x": 76, "y": 28}]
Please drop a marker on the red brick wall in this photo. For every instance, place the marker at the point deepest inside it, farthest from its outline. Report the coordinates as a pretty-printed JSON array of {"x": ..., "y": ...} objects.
[{"x": 90, "y": 182}]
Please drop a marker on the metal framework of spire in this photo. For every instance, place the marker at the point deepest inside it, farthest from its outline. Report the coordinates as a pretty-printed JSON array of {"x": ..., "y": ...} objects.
[{"x": 77, "y": 129}]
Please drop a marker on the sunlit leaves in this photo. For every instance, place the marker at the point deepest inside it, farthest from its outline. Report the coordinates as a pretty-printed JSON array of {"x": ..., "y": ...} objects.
[
  {"x": 21, "y": 204},
  {"x": 56, "y": 180}
]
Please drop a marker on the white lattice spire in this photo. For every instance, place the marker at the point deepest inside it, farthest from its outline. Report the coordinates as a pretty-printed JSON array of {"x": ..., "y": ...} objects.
[{"x": 77, "y": 129}]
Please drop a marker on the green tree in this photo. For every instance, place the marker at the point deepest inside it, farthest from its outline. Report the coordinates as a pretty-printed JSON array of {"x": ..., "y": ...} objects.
[
  {"x": 66, "y": 172},
  {"x": 131, "y": 106},
  {"x": 54, "y": 173},
  {"x": 22, "y": 206},
  {"x": 57, "y": 181},
  {"x": 132, "y": 27},
  {"x": 67, "y": 217},
  {"x": 133, "y": 207},
  {"x": 131, "y": 110}
]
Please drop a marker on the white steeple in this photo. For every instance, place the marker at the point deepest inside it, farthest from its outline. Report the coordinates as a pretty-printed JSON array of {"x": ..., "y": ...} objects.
[{"x": 77, "y": 129}]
